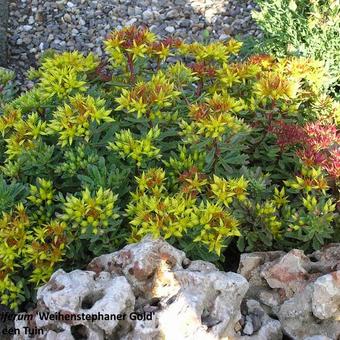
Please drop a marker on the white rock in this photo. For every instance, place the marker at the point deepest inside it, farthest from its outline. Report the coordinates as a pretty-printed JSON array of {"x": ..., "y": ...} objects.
[
  {"x": 224, "y": 37},
  {"x": 148, "y": 15},
  {"x": 27, "y": 27},
  {"x": 131, "y": 22},
  {"x": 185, "y": 300},
  {"x": 297, "y": 319},
  {"x": 85, "y": 292},
  {"x": 326, "y": 296},
  {"x": 259, "y": 325},
  {"x": 170, "y": 29}
]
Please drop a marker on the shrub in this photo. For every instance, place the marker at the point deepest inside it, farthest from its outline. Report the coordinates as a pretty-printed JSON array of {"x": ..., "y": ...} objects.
[
  {"x": 302, "y": 27},
  {"x": 201, "y": 151}
]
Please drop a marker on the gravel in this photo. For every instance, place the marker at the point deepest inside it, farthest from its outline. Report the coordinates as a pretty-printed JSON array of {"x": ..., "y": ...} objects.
[{"x": 38, "y": 25}]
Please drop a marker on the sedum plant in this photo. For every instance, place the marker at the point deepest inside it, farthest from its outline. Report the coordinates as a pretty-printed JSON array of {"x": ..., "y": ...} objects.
[{"x": 206, "y": 151}]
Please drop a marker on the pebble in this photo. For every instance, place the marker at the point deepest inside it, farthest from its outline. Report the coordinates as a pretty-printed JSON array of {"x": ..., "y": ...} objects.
[
  {"x": 148, "y": 15},
  {"x": 170, "y": 29},
  {"x": 67, "y": 18}
]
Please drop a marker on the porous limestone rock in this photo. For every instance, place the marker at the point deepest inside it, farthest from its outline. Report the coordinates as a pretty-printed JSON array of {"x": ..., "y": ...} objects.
[
  {"x": 250, "y": 267},
  {"x": 80, "y": 292},
  {"x": 327, "y": 259},
  {"x": 184, "y": 299},
  {"x": 200, "y": 300}
]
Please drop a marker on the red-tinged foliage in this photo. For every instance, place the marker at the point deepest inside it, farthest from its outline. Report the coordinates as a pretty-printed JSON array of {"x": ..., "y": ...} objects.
[
  {"x": 320, "y": 144},
  {"x": 203, "y": 70}
]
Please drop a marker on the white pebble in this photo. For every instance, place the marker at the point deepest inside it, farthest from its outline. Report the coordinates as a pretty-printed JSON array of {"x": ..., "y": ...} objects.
[{"x": 170, "y": 29}]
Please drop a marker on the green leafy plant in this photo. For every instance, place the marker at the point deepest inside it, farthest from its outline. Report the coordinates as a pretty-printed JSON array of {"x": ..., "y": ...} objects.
[{"x": 204, "y": 152}]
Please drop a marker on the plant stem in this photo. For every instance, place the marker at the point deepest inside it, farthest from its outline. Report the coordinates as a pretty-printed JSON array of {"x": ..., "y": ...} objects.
[
  {"x": 131, "y": 69},
  {"x": 199, "y": 87}
]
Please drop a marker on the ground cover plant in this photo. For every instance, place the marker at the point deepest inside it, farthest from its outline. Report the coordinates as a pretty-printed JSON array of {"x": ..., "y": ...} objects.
[
  {"x": 203, "y": 151},
  {"x": 307, "y": 28}
]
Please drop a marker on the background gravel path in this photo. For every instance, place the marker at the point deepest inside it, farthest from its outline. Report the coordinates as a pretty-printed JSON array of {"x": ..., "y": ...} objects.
[{"x": 37, "y": 25}]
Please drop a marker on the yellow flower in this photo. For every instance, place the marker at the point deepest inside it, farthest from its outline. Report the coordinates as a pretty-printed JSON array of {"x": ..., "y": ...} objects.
[
  {"x": 239, "y": 187},
  {"x": 279, "y": 197},
  {"x": 148, "y": 98},
  {"x": 273, "y": 86},
  {"x": 73, "y": 120},
  {"x": 268, "y": 215},
  {"x": 216, "y": 51},
  {"x": 90, "y": 212},
  {"x": 228, "y": 76},
  {"x": 220, "y": 189},
  {"x": 217, "y": 225},
  {"x": 137, "y": 149},
  {"x": 24, "y": 134}
]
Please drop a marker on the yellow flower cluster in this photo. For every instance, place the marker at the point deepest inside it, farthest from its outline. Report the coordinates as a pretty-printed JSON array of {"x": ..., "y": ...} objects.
[
  {"x": 22, "y": 134},
  {"x": 180, "y": 75},
  {"x": 73, "y": 120},
  {"x": 273, "y": 86},
  {"x": 216, "y": 225},
  {"x": 149, "y": 99},
  {"x": 131, "y": 41},
  {"x": 11, "y": 292},
  {"x": 217, "y": 51},
  {"x": 45, "y": 249},
  {"x": 8, "y": 119},
  {"x": 280, "y": 199},
  {"x": 153, "y": 210},
  {"x": 233, "y": 74},
  {"x": 137, "y": 149},
  {"x": 310, "y": 179},
  {"x": 268, "y": 214},
  {"x": 75, "y": 159},
  {"x": 43, "y": 193},
  {"x": 213, "y": 118},
  {"x": 226, "y": 190},
  {"x": 322, "y": 210},
  {"x": 184, "y": 160},
  {"x": 64, "y": 74},
  {"x": 90, "y": 213},
  {"x": 42, "y": 196},
  {"x": 286, "y": 82}
]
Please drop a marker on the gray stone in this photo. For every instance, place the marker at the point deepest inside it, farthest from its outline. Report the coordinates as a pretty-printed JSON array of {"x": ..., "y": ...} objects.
[
  {"x": 326, "y": 296},
  {"x": 258, "y": 325},
  {"x": 94, "y": 19},
  {"x": 67, "y": 18},
  {"x": 297, "y": 319},
  {"x": 148, "y": 15}
]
